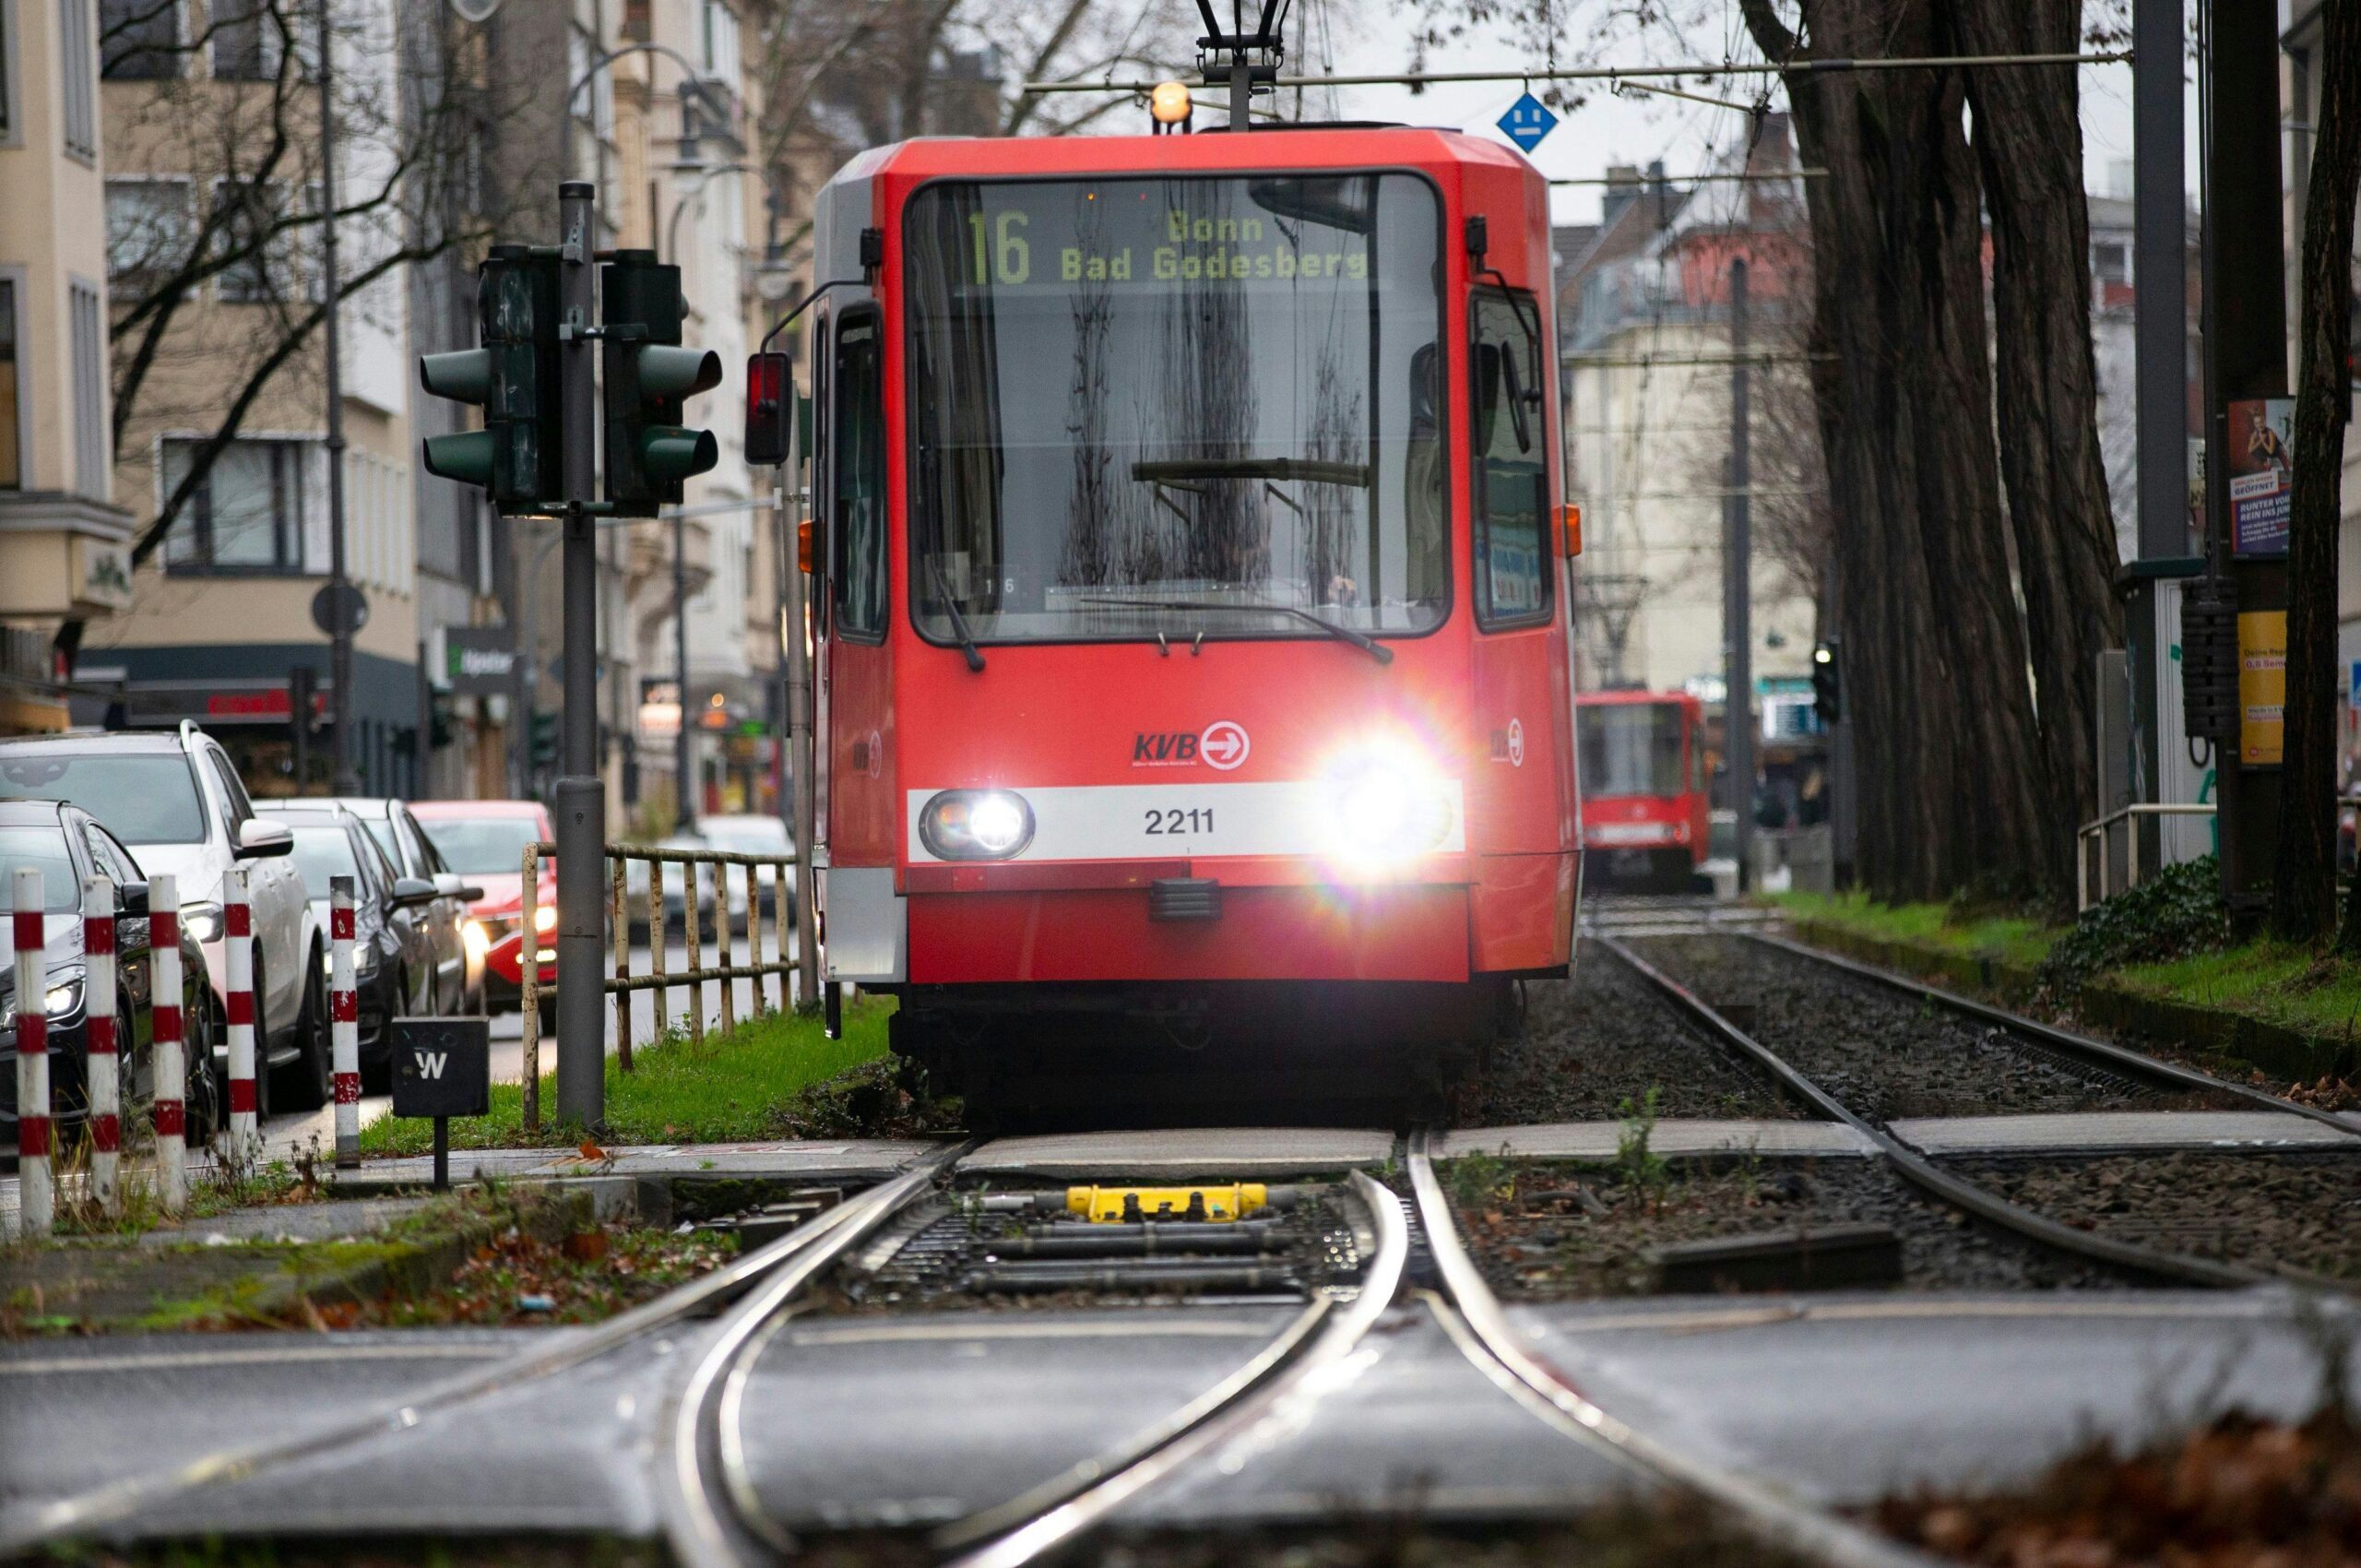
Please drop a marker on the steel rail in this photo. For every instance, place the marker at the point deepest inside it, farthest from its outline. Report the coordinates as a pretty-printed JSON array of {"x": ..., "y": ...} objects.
[
  {"x": 1287, "y": 1388},
  {"x": 705, "y": 1527},
  {"x": 24, "y": 1526},
  {"x": 2098, "y": 1052},
  {"x": 1917, "y": 1169},
  {"x": 1768, "y": 1510}
]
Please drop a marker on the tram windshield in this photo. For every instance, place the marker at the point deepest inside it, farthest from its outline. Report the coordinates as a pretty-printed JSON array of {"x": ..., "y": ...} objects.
[
  {"x": 1629, "y": 748},
  {"x": 1174, "y": 407}
]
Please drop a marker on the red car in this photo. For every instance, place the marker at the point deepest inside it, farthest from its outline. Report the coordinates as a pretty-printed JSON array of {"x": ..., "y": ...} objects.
[{"x": 484, "y": 841}]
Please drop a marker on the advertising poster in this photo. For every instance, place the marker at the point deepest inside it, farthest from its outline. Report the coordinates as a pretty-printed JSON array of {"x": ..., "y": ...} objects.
[
  {"x": 2262, "y": 686},
  {"x": 2262, "y": 441}
]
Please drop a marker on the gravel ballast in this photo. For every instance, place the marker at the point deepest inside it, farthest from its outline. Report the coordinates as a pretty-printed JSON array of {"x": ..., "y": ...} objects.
[
  {"x": 1535, "y": 1244},
  {"x": 2258, "y": 1209},
  {"x": 1887, "y": 1056},
  {"x": 1605, "y": 1037}
]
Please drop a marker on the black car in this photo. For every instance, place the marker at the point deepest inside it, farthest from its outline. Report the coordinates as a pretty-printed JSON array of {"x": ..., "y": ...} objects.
[
  {"x": 393, "y": 955},
  {"x": 67, "y": 845}
]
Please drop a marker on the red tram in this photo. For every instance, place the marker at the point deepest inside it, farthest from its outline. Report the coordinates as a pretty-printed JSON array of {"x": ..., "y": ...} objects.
[
  {"x": 1189, "y": 598},
  {"x": 1643, "y": 784}
]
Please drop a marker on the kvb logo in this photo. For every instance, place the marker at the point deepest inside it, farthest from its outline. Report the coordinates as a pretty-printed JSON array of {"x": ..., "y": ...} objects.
[
  {"x": 1224, "y": 744},
  {"x": 1162, "y": 748},
  {"x": 430, "y": 1063}
]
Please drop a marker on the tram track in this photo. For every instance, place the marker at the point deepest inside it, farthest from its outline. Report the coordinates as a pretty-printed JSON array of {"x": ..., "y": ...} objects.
[{"x": 2156, "y": 1264}]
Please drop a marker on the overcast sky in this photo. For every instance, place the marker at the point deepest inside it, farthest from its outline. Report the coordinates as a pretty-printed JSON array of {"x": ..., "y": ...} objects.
[{"x": 1637, "y": 128}]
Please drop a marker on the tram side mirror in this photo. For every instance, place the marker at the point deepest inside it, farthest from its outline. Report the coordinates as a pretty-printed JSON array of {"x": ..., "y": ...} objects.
[{"x": 770, "y": 405}]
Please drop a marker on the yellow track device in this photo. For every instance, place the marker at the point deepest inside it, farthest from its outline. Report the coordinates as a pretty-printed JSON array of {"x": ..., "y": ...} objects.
[{"x": 1116, "y": 1206}]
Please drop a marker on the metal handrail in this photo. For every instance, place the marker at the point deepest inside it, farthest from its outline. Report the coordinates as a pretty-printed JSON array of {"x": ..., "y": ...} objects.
[
  {"x": 2091, "y": 830},
  {"x": 621, "y": 983}
]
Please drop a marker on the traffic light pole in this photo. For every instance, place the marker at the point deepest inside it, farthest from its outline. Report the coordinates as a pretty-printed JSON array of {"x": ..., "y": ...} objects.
[{"x": 581, "y": 798}]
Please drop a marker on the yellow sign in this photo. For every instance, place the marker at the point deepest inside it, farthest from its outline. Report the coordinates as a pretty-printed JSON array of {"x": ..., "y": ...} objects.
[{"x": 2263, "y": 687}]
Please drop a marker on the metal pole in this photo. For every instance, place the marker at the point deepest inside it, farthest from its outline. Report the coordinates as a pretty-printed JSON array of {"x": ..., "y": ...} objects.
[
  {"x": 800, "y": 777},
  {"x": 581, "y": 798},
  {"x": 683, "y": 814},
  {"x": 2246, "y": 348},
  {"x": 1739, "y": 705},
  {"x": 2160, "y": 347},
  {"x": 526, "y": 672},
  {"x": 348, "y": 781}
]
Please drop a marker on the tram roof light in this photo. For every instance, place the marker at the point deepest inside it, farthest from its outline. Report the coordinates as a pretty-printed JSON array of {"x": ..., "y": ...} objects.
[{"x": 1169, "y": 102}]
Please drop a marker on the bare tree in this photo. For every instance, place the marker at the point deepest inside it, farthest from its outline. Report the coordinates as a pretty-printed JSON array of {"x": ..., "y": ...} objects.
[
  {"x": 235, "y": 110},
  {"x": 2304, "y": 880}
]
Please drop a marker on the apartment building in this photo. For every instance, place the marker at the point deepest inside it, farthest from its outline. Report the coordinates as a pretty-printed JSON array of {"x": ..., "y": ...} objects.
[
  {"x": 211, "y": 117},
  {"x": 65, "y": 545}
]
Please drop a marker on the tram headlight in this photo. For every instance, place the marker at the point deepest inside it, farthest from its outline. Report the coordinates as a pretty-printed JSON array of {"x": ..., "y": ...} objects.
[
  {"x": 1386, "y": 805},
  {"x": 976, "y": 824}
]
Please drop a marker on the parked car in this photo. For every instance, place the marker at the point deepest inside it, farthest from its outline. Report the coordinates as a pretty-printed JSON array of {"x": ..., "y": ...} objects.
[
  {"x": 393, "y": 946},
  {"x": 738, "y": 835},
  {"x": 458, "y": 963},
  {"x": 66, "y": 844},
  {"x": 484, "y": 841},
  {"x": 176, "y": 802}
]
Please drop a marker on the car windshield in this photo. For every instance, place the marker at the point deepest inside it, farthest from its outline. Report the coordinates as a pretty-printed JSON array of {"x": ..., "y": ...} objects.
[
  {"x": 381, "y": 831},
  {"x": 1161, "y": 407},
  {"x": 746, "y": 838},
  {"x": 41, "y": 849},
  {"x": 322, "y": 852},
  {"x": 142, "y": 797},
  {"x": 1630, "y": 748},
  {"x": 474, "y": 845}
]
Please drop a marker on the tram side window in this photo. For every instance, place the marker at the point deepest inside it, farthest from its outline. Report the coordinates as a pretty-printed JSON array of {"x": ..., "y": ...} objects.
[
  {"x": 857, "y": 460},
  {"x": 1510, "y": 451}
]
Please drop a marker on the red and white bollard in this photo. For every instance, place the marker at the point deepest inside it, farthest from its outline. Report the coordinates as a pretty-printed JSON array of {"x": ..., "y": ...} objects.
[
  {"x": 101, "y": 1081},
  {"x": 37, "y": 1200},
  {"x": 167, "y": 1041},
  {"x": 344, "y": 1027},
  {"x": 238, "y": 1000}
]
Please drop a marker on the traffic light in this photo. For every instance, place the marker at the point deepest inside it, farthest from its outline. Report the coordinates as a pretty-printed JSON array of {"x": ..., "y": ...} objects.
[
  {"x": 649, "y": 378},
  {"x": 544, "y": 742},
  {"x": 1827, "y": 690},
  {"x": 518, "y": 455},
  {"x": 770, "y": 404}
]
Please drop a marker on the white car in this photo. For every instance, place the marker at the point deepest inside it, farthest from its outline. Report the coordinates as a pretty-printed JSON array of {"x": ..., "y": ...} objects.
[
  {"x": 177, "y": 802},
  {"x": 738, "y": 835}
]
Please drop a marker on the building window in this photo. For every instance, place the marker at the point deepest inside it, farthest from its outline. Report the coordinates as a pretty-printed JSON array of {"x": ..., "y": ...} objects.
[
  {"x": 85, "y": 316},
  {"x": 76, "y": 60},
  {"x": 721, "y": 43},
  {"x": 8, "y": 73},
  {"x": 149, "y": 230},
  {"x": 260, "y": 247},
  {"x": 138, "y": 39},
  {"x": 12, "y": 456},
  {"x": 250, "y": 38},
  {"x": 250, "y": 513},
  {"x": 2111, "y": 262}
]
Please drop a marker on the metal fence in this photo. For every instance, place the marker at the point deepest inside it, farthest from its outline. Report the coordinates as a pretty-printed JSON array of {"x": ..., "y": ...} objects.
[
  {"x": 2101, "y": 834},
  {"x": 620, "y": 982}
]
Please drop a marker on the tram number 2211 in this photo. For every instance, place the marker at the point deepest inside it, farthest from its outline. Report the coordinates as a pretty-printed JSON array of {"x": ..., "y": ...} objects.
[{"x": 1177, "y": 821}]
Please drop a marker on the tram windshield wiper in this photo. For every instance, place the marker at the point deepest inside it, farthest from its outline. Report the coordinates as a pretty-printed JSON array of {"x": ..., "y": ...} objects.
[
  {"x": 1361, "y": 640},
  {"x": 958, "y": 622},
  {"x": 1313, "y": 471}
]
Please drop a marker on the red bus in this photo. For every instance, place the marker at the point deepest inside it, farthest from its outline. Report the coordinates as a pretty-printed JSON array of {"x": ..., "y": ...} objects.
[
  {"x": 1644, "y": 784},
  {"x": 1191, "y": 628}
]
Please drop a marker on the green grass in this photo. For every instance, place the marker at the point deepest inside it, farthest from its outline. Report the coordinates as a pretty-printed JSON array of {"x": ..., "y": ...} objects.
[
  {"x": 721, "y": 1091},
  {"x": 2012, "y": 939},
  {"x": 2291, "y": 987}
]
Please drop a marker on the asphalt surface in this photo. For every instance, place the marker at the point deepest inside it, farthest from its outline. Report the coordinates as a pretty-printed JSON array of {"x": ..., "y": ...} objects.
[{"x": 1842, "y": 1399}]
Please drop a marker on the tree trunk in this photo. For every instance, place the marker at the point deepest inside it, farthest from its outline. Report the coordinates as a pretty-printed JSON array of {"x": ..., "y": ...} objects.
[
  {"x": 2029, "y": 145},
  {"x": 1934, "y": 659},
  {"x": 2303, "y": 887}
]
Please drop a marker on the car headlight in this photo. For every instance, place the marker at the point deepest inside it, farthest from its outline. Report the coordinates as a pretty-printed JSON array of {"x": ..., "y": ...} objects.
[
  {"x": 1384, "y": 807},
  {"x": 202, "y": 923},
  {"x": 364, "y": 959},
  {"x": 477, "y": 940},
  {"x": 545, "y": 919},
  {"x": 61, "y": 999},
  {"x": 976, "y": 824}
]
